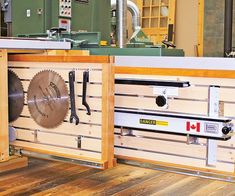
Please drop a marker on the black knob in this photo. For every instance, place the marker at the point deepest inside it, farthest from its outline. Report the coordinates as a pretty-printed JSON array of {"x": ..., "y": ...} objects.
[
  {"x": 226, "y": 130},
  {"x": 161, "y": 101}
]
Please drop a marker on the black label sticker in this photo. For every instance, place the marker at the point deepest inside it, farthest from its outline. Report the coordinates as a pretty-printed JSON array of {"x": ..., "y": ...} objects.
[
  {"x": 82, "y": 1},
  {"x": 148, "y": 122}
]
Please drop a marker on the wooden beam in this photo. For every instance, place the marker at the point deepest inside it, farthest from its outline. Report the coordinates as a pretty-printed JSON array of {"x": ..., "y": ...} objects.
[
  {"x": 20, "y": 51},
  {"x": 60, "y": 58},
  {"x": 200, "y": 27},
  {"x": 175, "y": 72},
  {"x": 68, "y": 52},
  {"x": 108, "y": 115},
  {"x": 4, "y": 136}
]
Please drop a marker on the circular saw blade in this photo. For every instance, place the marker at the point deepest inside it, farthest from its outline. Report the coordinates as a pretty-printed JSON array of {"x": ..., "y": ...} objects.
[
  {"x": 15, "y": 96},
  {"x": 48, "y": 99}
]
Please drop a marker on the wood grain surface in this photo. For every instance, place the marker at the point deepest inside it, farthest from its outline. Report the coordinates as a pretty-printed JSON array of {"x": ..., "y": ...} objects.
[{"x": 54, "y": 178}]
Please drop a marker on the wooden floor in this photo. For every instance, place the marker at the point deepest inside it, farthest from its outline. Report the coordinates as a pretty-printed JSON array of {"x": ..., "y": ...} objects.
[{"x": 54, "y": 178}]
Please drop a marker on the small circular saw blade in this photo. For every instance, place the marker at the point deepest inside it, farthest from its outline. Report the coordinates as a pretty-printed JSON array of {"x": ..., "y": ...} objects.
[
  {"x": 48, "y": 99},
  {"x": 15, "y": 96}
]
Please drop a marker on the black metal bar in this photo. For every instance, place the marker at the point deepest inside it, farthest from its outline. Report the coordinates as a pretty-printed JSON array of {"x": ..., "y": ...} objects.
[
  {"x": 170, "y": 32},
  {"x": 228, "y": 27},
  {"x": 179, "y": 84},
  {"x": 84, "y": 91},
  {"x": 73, "y": 116}
]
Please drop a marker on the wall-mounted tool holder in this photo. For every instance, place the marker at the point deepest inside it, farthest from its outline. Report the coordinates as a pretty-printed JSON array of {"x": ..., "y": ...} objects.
[
  {"x": 147, "y": 144},
  {"x": 7, "y": 162},
  {"x": 88, "y": 143},
  {"x": 162, "y": 89},
  {"x": 211, "y": 127}
]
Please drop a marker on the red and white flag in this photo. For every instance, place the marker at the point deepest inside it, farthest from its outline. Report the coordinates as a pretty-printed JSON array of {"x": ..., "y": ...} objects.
[{"x": 193, "y": 126}]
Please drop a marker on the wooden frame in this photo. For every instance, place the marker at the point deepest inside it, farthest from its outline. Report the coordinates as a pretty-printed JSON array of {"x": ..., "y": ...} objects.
[
  {"x": 175, "y": 72},
  {"x": 6, "y": 162},
  {"x": 103, "y": 63},
  {"x": 200, "y": 27},
  {"x": 4, "y": 137}
]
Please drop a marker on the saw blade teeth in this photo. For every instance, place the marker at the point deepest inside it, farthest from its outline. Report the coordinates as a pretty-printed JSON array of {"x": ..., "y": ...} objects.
[
  {"x": 57, "y": 99},
  {"x": 16, "y": 96}
]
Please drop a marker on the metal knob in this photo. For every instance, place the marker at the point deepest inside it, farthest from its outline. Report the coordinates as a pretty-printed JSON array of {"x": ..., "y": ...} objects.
[
  {"x": 226, "y": 130},
  {"x": 161, "y": 101}
]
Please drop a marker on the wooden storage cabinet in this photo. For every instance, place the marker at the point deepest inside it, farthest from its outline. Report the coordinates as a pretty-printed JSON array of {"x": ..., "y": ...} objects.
[
  {"x": 94, "y": 132},
  {"x": 154, "y": 18}
]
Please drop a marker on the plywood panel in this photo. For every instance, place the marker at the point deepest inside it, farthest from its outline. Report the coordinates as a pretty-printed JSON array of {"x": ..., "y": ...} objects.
[
  {"x": 172, "y": 159},
  {"x": 91, "y": 144},
  {"x": 191, "y": 107},
  {"x": 26, "y": 135},
  {"x": 172, "y": 148},
  {"x": 64, "y": 128},
  {"x": 94, "y": 118},
  {"x": 56, "y": 139},
  {"x": 188, "y": 93},
  {"x": 80, "y": 154},
  {"x": 155, "y": 135},
  {"x": 59, "y": 140}
]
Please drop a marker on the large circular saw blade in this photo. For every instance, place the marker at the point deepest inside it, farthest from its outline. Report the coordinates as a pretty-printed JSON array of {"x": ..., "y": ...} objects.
[
  {"x": 48, "y": 99},
  {"x": 15, "y": 96}
]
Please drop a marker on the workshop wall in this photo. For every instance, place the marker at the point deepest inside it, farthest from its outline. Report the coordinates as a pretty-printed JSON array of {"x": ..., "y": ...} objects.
[
  {"x": 186, "y": 31},
  {"x": 214, "y": 28}
]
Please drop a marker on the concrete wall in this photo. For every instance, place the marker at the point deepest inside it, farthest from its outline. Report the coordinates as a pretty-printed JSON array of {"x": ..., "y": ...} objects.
[{"x": 214, "y": 28}]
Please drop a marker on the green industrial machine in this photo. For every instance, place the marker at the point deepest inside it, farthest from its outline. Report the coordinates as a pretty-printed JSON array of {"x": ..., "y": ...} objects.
[
  {"x": 86, "y": 24},
  {"x": 38, "y": 16},
  {"x": 136, "y": 51}
]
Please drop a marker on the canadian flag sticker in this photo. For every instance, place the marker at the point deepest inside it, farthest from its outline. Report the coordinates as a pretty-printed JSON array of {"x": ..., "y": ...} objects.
[{"x": 195, "y": 126}]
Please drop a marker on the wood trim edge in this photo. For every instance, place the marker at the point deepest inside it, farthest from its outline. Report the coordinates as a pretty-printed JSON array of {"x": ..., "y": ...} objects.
[
  {"x": 59, "y": 58},
  {"x": 175, "y": 72}
]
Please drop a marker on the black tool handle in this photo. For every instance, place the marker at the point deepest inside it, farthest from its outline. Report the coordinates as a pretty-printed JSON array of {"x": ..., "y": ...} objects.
[
  {"x": 72, "y": 98},
  {"x": 71, "y": 89},
  {"x": 168, "y": 44},
  {"x": 84, "y": 91}
]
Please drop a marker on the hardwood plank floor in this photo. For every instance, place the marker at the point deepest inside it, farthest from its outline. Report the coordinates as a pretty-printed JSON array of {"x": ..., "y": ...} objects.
[{"x": 54, "y": 178}]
